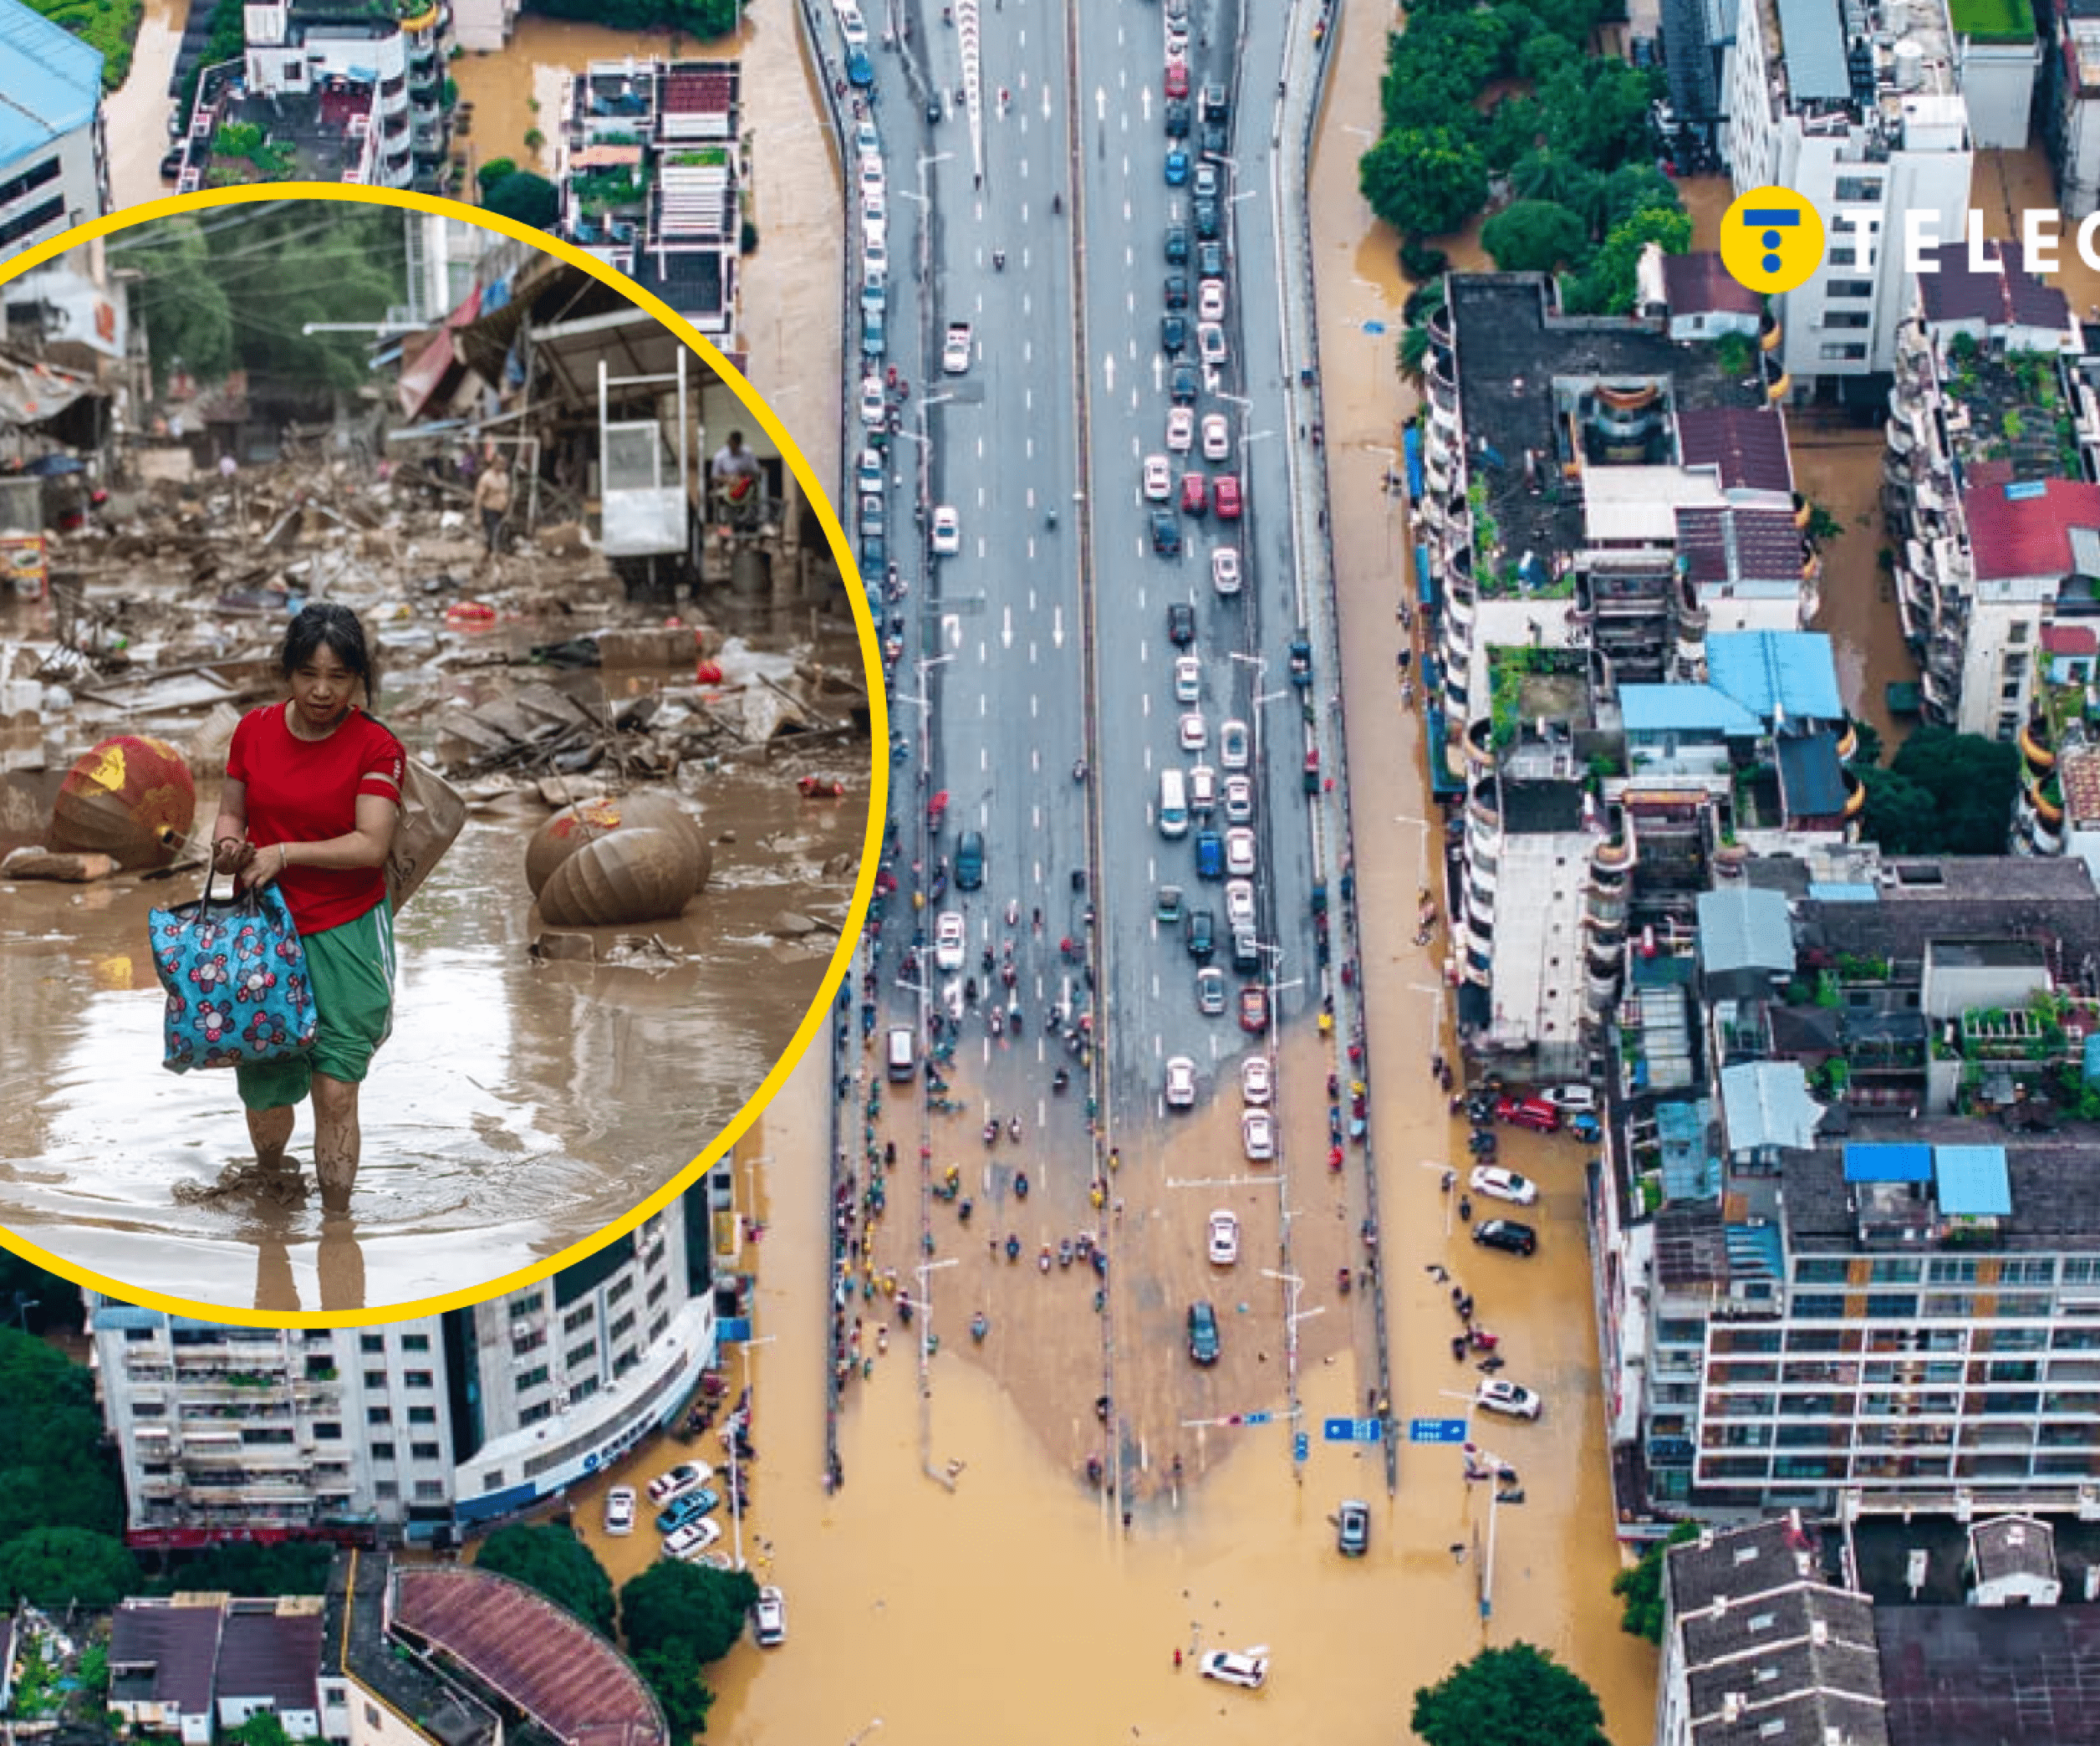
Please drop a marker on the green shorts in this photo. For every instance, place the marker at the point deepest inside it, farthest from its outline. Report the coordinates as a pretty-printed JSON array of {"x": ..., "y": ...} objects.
[{"x": 351, "y": 968}]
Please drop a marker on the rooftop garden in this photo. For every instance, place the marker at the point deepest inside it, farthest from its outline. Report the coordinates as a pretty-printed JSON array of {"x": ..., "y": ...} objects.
[
  {"x": 1514, "y": 699},
  {"x": 605, "y": 191},
  {"x": 1993, "y": 21},
  {"x": 705, "y": 157},
  {"x": 108, "y": 27},
  {"x": 242, "y": 152},
  {"x": 2016, "y": 409},
  {"x": 1497, "y": 575}
]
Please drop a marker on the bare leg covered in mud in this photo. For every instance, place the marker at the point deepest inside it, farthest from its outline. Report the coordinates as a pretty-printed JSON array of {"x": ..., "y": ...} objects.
[{"x": 337, "y": 1141}]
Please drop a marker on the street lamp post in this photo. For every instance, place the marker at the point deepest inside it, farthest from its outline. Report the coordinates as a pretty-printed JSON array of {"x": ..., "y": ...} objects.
[
  {"x": 1292, "y": 1315},
  {"x": 736, "y": 1470}
]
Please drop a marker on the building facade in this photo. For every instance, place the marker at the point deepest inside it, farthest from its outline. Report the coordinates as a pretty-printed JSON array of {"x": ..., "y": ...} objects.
[{"x": 54, "y": 170}]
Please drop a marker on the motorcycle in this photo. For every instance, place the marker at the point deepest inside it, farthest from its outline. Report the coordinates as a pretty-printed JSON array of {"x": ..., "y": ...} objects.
[
  {"x": 1013, "y": 1247},
  {"x": 1020, "y": 1185},
  {"x": 1013, "y": 1130},
  {"x": 1013, "y": 913},
  {"x": 1060, "y": 1079},
  {"x": 999, "y": 260},
  {"x": 1465, "y": 1209},
  {"x": 970, "y": 991},
  {"x": 1064, "y": 1253},
  {"x": 980, "y": 1325},
  {"x": 992, "y": 1132},
  {"x": 995, "y": 1021},
  {"x": 1079, "y": 770},
  {"x": 1013, "y": 1019},
  {"x": 1483, "y": 1143},
  {"x": 1043, "y": 1261},
  {"x": 1342, "y": 1281}
]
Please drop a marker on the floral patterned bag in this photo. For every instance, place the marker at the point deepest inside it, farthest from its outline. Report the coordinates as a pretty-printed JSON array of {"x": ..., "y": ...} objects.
[{"x": 236, "y": 977}]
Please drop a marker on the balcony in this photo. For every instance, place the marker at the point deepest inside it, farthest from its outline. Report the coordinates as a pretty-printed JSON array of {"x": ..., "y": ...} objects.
[
  {"x": 1483, "y": 804},
  {"x": 1479, "y": 744}
]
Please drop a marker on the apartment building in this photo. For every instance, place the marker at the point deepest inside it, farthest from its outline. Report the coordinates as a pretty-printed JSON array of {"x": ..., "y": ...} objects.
[
  {"x": 418, "y": 1429},
  {"x": 54, "y": 170},
  {"x": 1860, "y": 109},
  {"x": 1985, "y": 491},
  {"x": 651, "y": 169}
]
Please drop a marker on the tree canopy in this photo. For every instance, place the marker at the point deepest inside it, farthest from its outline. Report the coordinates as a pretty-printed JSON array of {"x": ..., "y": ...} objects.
[
  {"x": 54, "y": 1471},
  {"x": 55, "y": 1567},
  {"x": 1944, "y": 793},
  {"x": 294, "y": 1567},
  {"x": 675, "y": 1618},
  {"x": 1534, "y": 236},
  {"x": 528, "y": 198},
  {"x": 1515, "y": 1697},
  {"x": 1640, "y": 1586},
  {"x": 553, "y": 1559},
  {"x": 1426, "y": 179},
  {"x": 701, "y": 18}
]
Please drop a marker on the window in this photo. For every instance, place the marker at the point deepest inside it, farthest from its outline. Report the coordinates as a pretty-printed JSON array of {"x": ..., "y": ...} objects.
[
  {"x": 430, "y": 1491},
  {"x": 375, "y": 1380},
  {"x": 415, "y": 1342},
  {"x": 1858, "y": 189},
  {"x": 530, "y": 1341},
  {"x": 530, "y": 1304},
  {"x": 1847, "y": 318},
  {"x": 327, "y": 1430},
  {"x": 422, "y": 1415},
  {"x": 382, "y": 1452},
  {"x": 655, "y": 1294},
  {"x": 624, "y": 1326},
  {"x": 425, "y": 1452},
  {"x": 385, "y": 1488},
  {"x": 536, "y": 1377},
  {"x": 1845, "y": 353},
  {"x": 371, "y": 1342},
  {"x": 584, "y": 1389},
  {"x": 2010, "y": 691},
  {"x": 1848, "y": 287},
  {"x": 379, "y": 1416},
  {"x": 657, "y": 1325},
  {"x": 619, "y": 1288},
  {"x": 30, "y": 179},
  {"x": 578, "y": 1356},
  {"x": 536, "y": 1415},
  {"x": 626, "y": 1361},
  {"x": 2017, "y": 632},
  {"x": 35, "y": 219},
  {"x": 418, "y": 1379},
  {"x": 371, "y": 1715},
  {"x": 579, "y": 1317}
]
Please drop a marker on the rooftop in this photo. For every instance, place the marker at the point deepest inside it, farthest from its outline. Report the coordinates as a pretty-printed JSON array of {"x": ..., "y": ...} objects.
[
  {"x": 1747, "y": 443},
  {"x": 52, "y": 80},
  {"x": 1537, "y": 969},
  {"x": 1736, "y": 1564},
  {"x": 2004, "y": 294},
  {"x": 163, "y": 1652},
  {"x": 2013, "y": 1546},
  {"x": 2046, "y": 529},
  {"x": 1778, "y": 676},
  {"x": 272, "y": 1650},
  {"x": 1742, "y": 928},
  {"x": 314, "y": 136},
  {"x": 449, "y": 1715},
  {"x": 1883, "y": 1548},
  {"x": 1982, "y": 1676},
  {"x": 1700, "y": 283}
]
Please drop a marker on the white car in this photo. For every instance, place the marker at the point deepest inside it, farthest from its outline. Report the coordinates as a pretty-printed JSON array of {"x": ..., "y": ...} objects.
[
  {"x": 1512, "y": 1398},
  {"x": 1239, "y": 853},
  {"x": 875, "y": 202},
  {"x": 1188, "y": 678},
  {"x": 1497, "y": 1183},
  {"x": 868, "y": 477},
  {"x": 1180, "y": 430},
  {"x": 1239, "y": 800},
  {"x": 620, "y": 1510},
  {"x": 1225, "y": 1238},
  {"x": 1209, "y": 991},
  {"x": 1195, "y": 734},
  {"x": 1258, "y": 1135},
  {"x": 871, "y": 173},
  {"x": 1239, "y": 904},
  {"x": 1570, "y": 1099},
  {"x": 1217, "y": 441},
  {"x": 1209, "y": 342},
  {"x": 1233, "y": 746},
  {"x": 875, "y": 250},
  {"x": 852, "y": 27},
  {"x": 686, "y": 1476},
  {"x": 1210, "y": 300},
  {"x": 948, "y": 939},
  {"x": 1249, "y": 1671},
  {"x": 867, "y": 142},
  {"x": 947, "y": 532},
  {"x": 1225, "y": 570},
  {"x": 1180, "y": 1083},
  {"x": 769, "y": 1618},
  {"x": 694, "y": 1537},
  {"x": 1159, "y": 479},
  {"x": 873, "y": 409},
  {"x": 1257, "y": 1080}
]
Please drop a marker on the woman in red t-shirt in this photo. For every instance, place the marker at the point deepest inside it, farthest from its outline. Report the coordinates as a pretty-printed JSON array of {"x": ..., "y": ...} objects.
[{"x": 313, "y": 789}]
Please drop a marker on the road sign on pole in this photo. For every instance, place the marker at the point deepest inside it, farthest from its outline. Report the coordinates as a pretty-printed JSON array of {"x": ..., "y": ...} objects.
[
  {"x": 1338, "y": 1430},
  {"x": 1301, "y": 1446},
  {"x": 1436, "y": 1431}
]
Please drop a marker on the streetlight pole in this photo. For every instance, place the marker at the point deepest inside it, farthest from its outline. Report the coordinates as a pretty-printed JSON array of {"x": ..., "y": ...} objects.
[
  {"x": 736, "y": 1468},
  {"x": 1292, "y": 1315}
]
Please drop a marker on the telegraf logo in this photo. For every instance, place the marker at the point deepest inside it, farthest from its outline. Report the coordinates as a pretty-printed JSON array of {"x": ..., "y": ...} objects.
[
  {"x": 2041, "y": 238},
  {"x": 1771, "y": 240}
]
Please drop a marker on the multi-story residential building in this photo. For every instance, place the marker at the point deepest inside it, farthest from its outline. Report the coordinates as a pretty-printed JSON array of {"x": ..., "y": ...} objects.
[
  {"x": 483, "y": 26},
  {"x": 54, "y": 171},
  {"x": 1860, "y": 111},
  {"x": 2067, "y": 106},
  {"x": 651, "y": 170},
  {"x": 1986, "y": 486},
  {"x": 415, "y": 1428}
]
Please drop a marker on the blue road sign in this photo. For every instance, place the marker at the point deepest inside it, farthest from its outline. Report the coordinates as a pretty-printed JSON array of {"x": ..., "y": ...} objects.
[
  {"x": 1370, "y": 1430},
  {"x": 1259, "y": 1418},
  {"x": 1301, "y": 1446},
  {"x": 1374, "y": 327},
  {"x": 1436, "y": 1431},
  {"x": 1338, "y": 1430}
]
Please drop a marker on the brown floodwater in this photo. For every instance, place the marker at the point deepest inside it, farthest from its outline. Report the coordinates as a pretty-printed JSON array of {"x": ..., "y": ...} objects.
[
  {"x": 517, "y": 1107},
  {"x": 135, "y": 116}
]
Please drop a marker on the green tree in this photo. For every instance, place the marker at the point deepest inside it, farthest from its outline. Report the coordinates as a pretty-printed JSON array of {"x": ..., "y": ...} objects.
[
  {"x": 1637, "y": 188},
  {"x": 553, "y": 1559},
  {"x": 263, "y": 1728},
  {"x": 46, "y": 1300},
  {"x": 1640, "y": 1586},
  {"x": 528, "y": 198},
  {"x": 55, "y": 1567},
  {"x": 1869, "y": 751},
  {"x": 672, "y": 1671},
  {"x": 1429, "y": 181},
  {"x": 672, "y": 1603},
  {"x": 701, "y": 19},
  {"x": 1900, "y": 815},
  {"x": 54, "y": 1470},
  {"x": 1597, "y": 111},
  {"x": 1534, "y": 236},
  {"x": 1545, "y": 51},
  {"x": 296, "y": 1567},
  {"x": 1609, "y": 285},
  {"x": 1515, "y": 1697},
  {"x": 493, "y": 172},
  {"x": 1972, "y": 780}
]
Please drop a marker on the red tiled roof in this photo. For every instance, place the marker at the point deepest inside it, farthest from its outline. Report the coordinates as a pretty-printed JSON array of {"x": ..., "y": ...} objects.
[
  {"x": 2069, "y": 640},
  {"x": 697, "y": 94},
  {"x": 1747, "y": 444},
  {"x": 545, "y": 1661},
  {"x": 1697, "y": 284},
  {"x": 2029, "y": 533},
  {"x": 1739, "y": 545},
  {"x": 2005, "y": 293}
]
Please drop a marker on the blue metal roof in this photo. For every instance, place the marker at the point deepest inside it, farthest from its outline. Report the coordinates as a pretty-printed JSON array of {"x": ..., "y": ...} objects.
[
  {"x": 1811, "y": 781},
  {"x": 1742, "y": 927},
  {"x": 1973, "y": 1183},
  {"x": 1813, "y": 37},
  {"x": 52, "y": 80},
  {"x": 1776, "y": 673},
  {"x": 1878, "y": 1162},
  {"x": 1765, "y": 1104},
  {"x": 1824, "y": 892},
  {"x": 1683, "y": 709}
]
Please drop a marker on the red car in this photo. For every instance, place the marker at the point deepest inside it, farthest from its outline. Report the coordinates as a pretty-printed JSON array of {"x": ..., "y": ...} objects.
[
  {"x": 1254, "y": 1011},
  {"x": 1531, "y": 1112},
  {"x": 1196, "y": 496},
  {"x": 1177, "y": 79},
  {"x": 1228, "y": 497}
]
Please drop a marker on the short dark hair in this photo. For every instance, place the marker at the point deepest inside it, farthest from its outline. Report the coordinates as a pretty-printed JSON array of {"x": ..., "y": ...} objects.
[{"x": 326, "y": 622}]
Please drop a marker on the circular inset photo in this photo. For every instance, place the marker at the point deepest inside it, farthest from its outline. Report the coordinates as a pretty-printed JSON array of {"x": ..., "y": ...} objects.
[{"x": 438, "y": 749}]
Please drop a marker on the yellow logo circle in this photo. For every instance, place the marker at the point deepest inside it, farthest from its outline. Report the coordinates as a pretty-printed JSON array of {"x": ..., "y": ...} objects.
[{"x": 1771, "y": 240}]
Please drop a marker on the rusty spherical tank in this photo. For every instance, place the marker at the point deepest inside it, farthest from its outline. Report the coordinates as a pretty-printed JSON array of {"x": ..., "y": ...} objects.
[
  {"x": 638, "y": 873},
  {"x": 573, "y": 826},
  {"x": 129, "y": 798}
]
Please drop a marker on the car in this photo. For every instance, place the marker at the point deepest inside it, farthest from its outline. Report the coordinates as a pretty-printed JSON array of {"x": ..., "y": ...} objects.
[
  {"x": 687, "y": 1506},
  {"x": 948, "y": 939},
  {"x": 1201, "y": 935},
  {"x": 1230, "y": 503},
  {"x": 769, "y": 1618},
  {"x": 1177, "y": 245},
  {"x": 1239, "y": 903},
  {"x": 1239, "y": 853},
  {"x": 1497, "y": 1183},
  {"x": 1180, "y": 430},
  {"x": 875, "y": 293},
  {"x": 1166, "y": 533},
  {"x": 619, "y": 1510},
  {"x": 873, "y": 561},
  {"x": 1174, "y": 334},
  {"x": 1352, "y": 1528},
  {"x": 873, "y": 410},
  {"x": 860, "y": 71},
  {"x": 1177, "y": 35},
  {"x": 1209, "y": 855},
  {"x": 875, "y": 251},
  {"x": 1254, "y": 1010},
  {"x": 1207, "y": 218},
  {"x": 1257, "y": 1080},
  {"x": 1177, "y": 79},
  {"x": 1166, "y": 903},
  {"x": 955, "y": 348},
  {"x": 1195, "y": 493},
  {"x": 1570, "y": 1099},
  {"x": 934, "y": 112},
  {"x": 1512, "y": 1399},
  {"x": 1224, "y": 1237},
  {"x": 1258, "y": 1135},
  {"x": 868, "y": 475},
  {"x": 1209, "y": 991},
  {"x": 852, "y": 26},
  {"x": 1209, "y": 342},
  {"x": 172, "y": 164},
  {"x": 1217, "y": 440},
  {"x": 1177, "y": 167},
  {"x": 874, "y": 203},
  {"x": 1203, "y": 1334},
  {"x": 1506, "y": 1234},
  {"x": 1216, "y": 106},
  {"x": 871, "y": 172},
  {"x": 1225, "y": 570},
  {"x": 1215, "y": 141},
  {"x": 1239, "y": 800},
  {"x": 1176, "y": 120},
  {"x": 1184, "y": 384},
  {"x": 1233, "y": 743},
  {"x": 867, "y": 142},
  {"x": 1203, "y": 791},
  {"x": 1301, "y": 655},
  {"x": 970, "y": 859},
  {"x": 694, "y": 1537},
  {"x": 1210, "y": 259},
  {"x": 1159, "y": 479},
  {"x": 1188, "y": 678},
  {"x": 947, "y": 532},
  {"x": 1194, "y": 731},
  {"x": 1180, "y": 1083},
  {"x": 1247, "y": 952},
  {"x": 1177, "y": 11},
  {"x": 1181, "y": 623},
  {"x": 871, "y": 517},
  {"x": 1210, "y": 300},
  {"x": 683, "y": 1478},
  {"x": 1534, "y": 1113},
  {"x": 1228, "y": 1667},
  {"x": 1175, "y": 288},
  {"x": 1207, "y": 182}
]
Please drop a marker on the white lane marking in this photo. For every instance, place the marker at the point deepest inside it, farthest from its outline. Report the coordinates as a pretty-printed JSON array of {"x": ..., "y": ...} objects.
[
  {"x": 1108, "y": 373},
  {"x": 1057, "y": 626},
  {"x": 1006, "y": 630}
]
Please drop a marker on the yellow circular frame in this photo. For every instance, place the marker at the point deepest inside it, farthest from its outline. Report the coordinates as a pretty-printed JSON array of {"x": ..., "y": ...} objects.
[{"x": 820, "y": 1013}]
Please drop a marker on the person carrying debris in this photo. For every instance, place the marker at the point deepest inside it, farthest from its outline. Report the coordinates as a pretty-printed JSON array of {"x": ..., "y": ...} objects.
[
  {"x": 492, "y": 498},
  {"x": 739, "y": 487},
  {"x": 313, "y": 792}
]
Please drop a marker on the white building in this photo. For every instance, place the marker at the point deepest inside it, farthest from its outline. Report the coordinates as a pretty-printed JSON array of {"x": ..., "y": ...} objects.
[
  {"x": 482, "y": 27},
  {"x": 53, "y": 171},
  {"x": 1867, "y": 124}
]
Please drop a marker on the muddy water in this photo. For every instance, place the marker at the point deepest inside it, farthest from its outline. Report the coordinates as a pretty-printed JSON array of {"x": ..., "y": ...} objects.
[
  {"x": 135, "y": 116},
  {"x": 525, "y": 1105}
]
